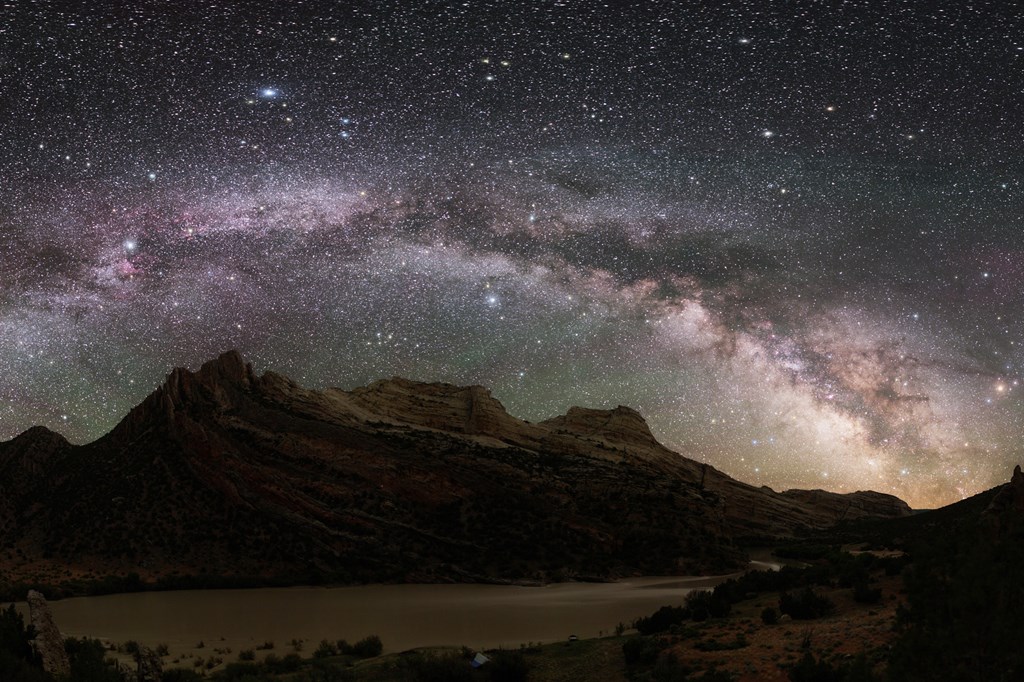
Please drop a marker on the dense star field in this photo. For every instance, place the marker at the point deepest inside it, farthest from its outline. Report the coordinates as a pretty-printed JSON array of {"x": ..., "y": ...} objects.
[{"x": 788, "y": 233}]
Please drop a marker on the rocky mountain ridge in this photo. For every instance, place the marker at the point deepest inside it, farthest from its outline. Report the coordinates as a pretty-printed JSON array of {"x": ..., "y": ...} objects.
[{"x": 221, "y": 471}]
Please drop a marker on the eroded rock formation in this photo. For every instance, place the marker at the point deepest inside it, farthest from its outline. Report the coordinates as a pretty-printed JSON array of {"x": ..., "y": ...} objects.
[
  {"x": 223, "y": 471},
  {"x": 48, "y": 641}
]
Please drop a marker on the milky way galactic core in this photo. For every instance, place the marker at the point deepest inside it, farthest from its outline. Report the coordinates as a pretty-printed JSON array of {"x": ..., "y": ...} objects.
[{"x": 789, "y": 234}]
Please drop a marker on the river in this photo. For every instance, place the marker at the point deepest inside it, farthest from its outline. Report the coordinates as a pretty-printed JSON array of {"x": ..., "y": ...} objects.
[{"x": 403, "y": 616}]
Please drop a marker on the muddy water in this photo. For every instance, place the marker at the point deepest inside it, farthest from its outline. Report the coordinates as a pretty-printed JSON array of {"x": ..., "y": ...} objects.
[{"x": 404, "y": 616}]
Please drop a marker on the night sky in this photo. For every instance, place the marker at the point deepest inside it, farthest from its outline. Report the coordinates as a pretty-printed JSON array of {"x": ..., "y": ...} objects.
[{"x": 789, "y": 234}]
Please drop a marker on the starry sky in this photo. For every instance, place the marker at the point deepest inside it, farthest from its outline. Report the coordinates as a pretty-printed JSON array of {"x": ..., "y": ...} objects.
[{"x": 789, "y": 233}]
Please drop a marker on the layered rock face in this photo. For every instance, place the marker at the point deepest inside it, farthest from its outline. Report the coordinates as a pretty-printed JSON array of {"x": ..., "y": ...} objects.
[
  {"x": 221, "y": 471},
  {"x": 48, "y": 641}
]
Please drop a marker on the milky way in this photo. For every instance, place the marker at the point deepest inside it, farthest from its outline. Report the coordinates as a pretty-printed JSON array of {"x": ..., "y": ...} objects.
[{"x": 789, "y": 234}]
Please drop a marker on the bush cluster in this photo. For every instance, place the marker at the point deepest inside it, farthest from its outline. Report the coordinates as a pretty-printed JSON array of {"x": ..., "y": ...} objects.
[
  {"x": 805, "y": 604},
  {"x": 368, "y": 647},
  {"x": 700, "y": 605}
]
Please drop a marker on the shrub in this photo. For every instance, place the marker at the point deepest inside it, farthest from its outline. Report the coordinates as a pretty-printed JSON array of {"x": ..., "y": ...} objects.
[
  {"x": 508, "y": 666},
  {"x": 17, "y": 658},
  {"x": 769, "y": 616},
  {"x": 668, "y": 668},
  {"x": 719, "y": 605},
  {"x": 703, "y": 604},
  {"x": 179, "y": 675},
  {"x": 368, "y": 647},
  {"x": 698, "y": 603},
  {"x": 641, "y": 650},
  {"x": 810, "y": 669},
  {"x": 805, "y": 605},
  {"x": 291, "y": 662},
  {"x": 247, "y": 655},
  {"x": 865, "y": 594},
  {"x": 713, "y": 675},
  {"x": 88, "y": 661},
  {"x": 326, "y": 671},
  {"x": 662, "y": 619},
  {"x": 240, "y": 671},
  {"x": 325, "y": 649},
  {"x": 426, "y": 668},
  {"x": 714, "y": 645}
]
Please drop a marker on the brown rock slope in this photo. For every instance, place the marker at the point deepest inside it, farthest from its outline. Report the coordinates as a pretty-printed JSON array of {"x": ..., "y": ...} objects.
[{"x": 223, "y": 472}]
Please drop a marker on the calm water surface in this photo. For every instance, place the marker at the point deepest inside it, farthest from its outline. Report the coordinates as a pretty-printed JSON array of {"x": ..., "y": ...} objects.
[{"x": 404, "y": 616}]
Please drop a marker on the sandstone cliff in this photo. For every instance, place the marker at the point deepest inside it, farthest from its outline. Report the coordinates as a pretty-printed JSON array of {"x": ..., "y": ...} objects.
[{"x": 221, "y": 471}]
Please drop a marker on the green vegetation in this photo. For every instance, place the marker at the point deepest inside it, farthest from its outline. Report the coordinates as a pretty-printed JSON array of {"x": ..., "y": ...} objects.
[
  {"x": 642, "y": 650},
  {"x": 88, "y": 661},
  {"x": 963, "y": 620},
  {"x": 740, "y": 642},
  {"x": 805, "y": 605},
  {"x": 419, "y": 666},
  {"x": 132, "y": 582},
  {"x": 965, "y": 592},
  {"x": 661, "y": 620},
  {"x": 863, "y": 593},
  {"x": 811, "y": 669},
  {"x": 19, "y": 662},
  {"x": 699, "y": 606},
  {"x": 651, "y": 655}
]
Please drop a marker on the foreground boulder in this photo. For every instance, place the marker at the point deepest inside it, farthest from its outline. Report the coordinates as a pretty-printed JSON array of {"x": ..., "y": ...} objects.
[{"x": 48, "y": 642}]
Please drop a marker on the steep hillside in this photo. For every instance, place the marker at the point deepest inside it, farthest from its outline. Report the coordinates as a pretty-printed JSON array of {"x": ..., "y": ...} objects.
[{"x": 225, "y": 472}]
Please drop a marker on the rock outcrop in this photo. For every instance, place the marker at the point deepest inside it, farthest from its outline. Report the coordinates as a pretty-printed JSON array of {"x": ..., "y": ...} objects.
[
  {"x": 1010, "y": 498},
  {"x": 48, "y": 642},
  {"x": 1004, "y": 515},
  {"x": 223, "y": 471}
]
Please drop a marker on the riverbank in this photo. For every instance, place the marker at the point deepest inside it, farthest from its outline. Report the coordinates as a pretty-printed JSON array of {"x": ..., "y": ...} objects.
[{"x": 404, "y": 616}]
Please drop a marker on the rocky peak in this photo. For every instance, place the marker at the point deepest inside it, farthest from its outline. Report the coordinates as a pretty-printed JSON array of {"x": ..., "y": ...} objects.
[
  {"x": 1008, "y": 504},
  {"x": 38, "y": 437},
  {"x": 212, "y": 387},
  {"x": 33, "y": 447},
  {"x": 621, "y": 425},
  {"x": 227, "y": 371}
]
